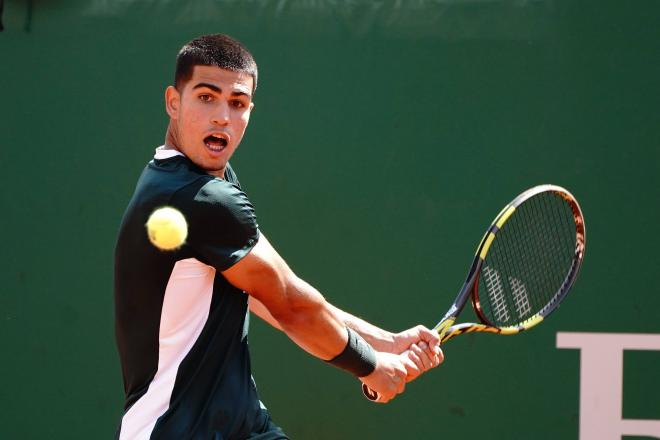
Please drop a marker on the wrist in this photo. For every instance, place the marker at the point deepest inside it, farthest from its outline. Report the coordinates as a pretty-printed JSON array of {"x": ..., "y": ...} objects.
[{"x": 358, "y": 357}]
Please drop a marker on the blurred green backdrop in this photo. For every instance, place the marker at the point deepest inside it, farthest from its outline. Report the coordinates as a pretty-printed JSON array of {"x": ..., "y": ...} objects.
[{"x": 385, "y": 137}]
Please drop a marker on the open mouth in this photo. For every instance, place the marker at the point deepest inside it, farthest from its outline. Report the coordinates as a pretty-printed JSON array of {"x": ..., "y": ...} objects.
[{"x": 215, "y": 142}]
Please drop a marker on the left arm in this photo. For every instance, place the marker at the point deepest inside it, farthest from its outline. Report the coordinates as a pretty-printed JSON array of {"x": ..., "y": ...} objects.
[
  {"x": 379, "y": 339},
  {"x": 420, "y": 345}
]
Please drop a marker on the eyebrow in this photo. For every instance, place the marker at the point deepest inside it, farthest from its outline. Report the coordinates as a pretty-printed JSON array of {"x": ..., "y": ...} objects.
[{"x": 218, "y": 89}]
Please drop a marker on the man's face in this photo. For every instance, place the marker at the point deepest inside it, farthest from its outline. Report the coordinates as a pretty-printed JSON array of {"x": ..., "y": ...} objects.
[{"x": 209, "y": 115}]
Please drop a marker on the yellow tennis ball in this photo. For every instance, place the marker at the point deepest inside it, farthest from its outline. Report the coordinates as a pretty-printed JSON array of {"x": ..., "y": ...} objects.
[{"x": 167, "y": 228}]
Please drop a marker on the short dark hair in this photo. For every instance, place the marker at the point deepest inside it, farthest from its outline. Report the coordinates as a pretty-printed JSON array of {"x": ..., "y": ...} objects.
[{"x": 213, "y": 50}]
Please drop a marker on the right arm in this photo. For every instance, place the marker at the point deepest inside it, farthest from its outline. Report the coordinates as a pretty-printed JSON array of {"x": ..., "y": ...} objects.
[{"x": 304, "y": 314}]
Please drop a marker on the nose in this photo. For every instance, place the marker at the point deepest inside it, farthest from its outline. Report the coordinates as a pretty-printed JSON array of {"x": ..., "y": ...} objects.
[{"x": 221, "y": 114}]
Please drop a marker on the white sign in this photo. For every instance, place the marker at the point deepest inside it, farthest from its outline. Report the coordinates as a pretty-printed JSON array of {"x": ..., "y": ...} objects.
[{"x": 601, "y": 383}]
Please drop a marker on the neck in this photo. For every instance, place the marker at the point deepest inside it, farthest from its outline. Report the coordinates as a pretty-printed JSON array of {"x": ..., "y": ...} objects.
[
  {"x": 220, "y": 174},
  {"x": 171, "y": 138}
]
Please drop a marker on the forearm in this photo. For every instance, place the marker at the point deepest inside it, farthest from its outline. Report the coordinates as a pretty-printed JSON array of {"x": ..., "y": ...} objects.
[
  {"x": 380, "y": 340},
  {"x": 262, "y": 312},
  {"x": 310, "y": 321}
]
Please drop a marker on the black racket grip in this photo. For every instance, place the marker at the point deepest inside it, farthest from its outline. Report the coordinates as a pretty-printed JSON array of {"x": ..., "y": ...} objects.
[{"x": 369, "y": 393}]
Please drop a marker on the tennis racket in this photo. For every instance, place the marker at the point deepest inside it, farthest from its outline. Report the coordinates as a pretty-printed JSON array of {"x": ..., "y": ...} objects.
[{"x": 524, "y": 266}]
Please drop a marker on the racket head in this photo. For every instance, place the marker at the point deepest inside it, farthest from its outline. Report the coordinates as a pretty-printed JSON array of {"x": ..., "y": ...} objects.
[
  {"x": 528, "y": 260},
  {"x": 536, "y": 244}
]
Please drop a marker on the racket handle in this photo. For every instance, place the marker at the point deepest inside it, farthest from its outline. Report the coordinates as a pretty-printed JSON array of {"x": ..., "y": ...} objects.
[{"x": 369, "y": 393}]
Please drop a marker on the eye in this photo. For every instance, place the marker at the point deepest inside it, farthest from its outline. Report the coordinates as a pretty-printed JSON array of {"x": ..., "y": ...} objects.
[
  {"x": 205, "y": 97},
  {"x": 236, "y": 103}
]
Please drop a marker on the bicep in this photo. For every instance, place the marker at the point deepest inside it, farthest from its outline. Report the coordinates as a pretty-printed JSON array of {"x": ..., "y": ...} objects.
[
  {"x": 263, "y": 274},
  {"x": 299, "y": 309}
]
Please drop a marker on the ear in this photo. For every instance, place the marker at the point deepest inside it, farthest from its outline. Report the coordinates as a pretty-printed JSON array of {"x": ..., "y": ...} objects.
[{"x": 172, "y": 102}]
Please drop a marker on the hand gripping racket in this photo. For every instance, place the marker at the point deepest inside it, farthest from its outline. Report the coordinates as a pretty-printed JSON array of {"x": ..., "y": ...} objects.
[{"x": 524, "y": 267}]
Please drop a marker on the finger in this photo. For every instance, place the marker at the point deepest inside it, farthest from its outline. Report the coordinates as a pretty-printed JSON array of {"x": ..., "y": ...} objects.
[
  {"x": 430, "y": 350},
  {"x": 441, "y": 355},
  {"x": 414, "y": 357},
  {"x": 431, "y": 337},
  {"x": 410, "y": 360},
  {"x": 414, "y": 367},
  {"x": 423, "y": 355},
  {"x": 434, "y": 352}
]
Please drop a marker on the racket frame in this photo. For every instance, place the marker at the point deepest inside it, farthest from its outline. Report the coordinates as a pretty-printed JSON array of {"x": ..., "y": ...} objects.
[{"x": 446, "y": 328}]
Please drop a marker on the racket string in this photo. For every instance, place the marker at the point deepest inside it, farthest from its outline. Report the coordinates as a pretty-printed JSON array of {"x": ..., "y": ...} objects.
[{"x": 529, "y": 260}]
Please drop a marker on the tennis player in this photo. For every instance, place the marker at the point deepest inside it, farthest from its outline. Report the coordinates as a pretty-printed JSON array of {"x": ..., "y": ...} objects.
[{"x": 182, "y": 316}]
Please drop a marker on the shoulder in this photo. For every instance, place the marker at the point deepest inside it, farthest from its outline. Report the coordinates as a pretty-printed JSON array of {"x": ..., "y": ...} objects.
[
  {"x": 216, "y": 195},
  {"x": 222, "y": 224},
  {"x": 167, "y": 176},
  {"x": 216, "y": 205},
  {"x": 215, "y": 190}
]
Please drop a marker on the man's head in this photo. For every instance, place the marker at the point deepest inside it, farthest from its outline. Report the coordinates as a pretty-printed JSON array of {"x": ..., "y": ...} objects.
[
  {"x": 210, "y": 103},
  {"x": 214, "y": 50}
]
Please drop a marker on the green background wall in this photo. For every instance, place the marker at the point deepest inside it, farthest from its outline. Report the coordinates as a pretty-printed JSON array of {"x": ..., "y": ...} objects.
[{"x": 386, "y": 135}]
